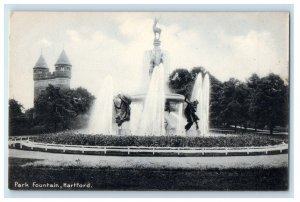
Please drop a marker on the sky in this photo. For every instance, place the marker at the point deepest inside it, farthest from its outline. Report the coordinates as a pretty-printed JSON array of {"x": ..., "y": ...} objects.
[{"x": 98, "y": 44}]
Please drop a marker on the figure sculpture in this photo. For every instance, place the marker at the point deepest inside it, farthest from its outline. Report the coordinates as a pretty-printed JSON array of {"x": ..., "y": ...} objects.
[
  {"x": 122, "y": 107},
  {"x": 156, "y": 30},
  {"x": 157, "y": 56},
  {"x": 190, "y": 114}
]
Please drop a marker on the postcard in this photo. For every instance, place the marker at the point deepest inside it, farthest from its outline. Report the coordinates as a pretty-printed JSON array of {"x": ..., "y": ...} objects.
[{"x": 149, "y": 101}]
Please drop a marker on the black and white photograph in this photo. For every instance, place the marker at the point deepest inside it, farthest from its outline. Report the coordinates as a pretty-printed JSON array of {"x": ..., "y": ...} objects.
[{"x": 149, "y": 101}]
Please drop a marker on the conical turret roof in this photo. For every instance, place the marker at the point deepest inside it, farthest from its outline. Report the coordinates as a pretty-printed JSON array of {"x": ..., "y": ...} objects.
[
  {"x": 63, "y": 59},
  {"x": 41, "y": 62}
]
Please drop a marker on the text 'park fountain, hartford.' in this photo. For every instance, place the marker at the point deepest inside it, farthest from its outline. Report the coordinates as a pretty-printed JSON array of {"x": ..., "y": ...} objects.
[{"x": 155, "y": 112}]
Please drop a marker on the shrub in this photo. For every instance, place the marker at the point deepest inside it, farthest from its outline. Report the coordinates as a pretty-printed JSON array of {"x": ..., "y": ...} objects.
[{"x": 72, "y": 138}]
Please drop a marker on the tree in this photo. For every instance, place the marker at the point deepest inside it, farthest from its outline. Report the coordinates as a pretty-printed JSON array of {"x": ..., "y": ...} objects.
[
  {"x": 17, "y": 120},
  {"x": 81, "y": 100},
  {"x": 15, "y": 108},
  {"x": 30, "y": 114},
  {"x": 56, "y": 109},
  {"x": 53, "y": 109},
  {"x": 234, "y": 103},
  {"x": 242, "y": 96},
  {"x": 196, "y": 70},
  {"x": 258, "y": 102},
  {"x": 255, "y": 108},
  {"x": 216, "y": 91},
  {"x": 181, "y": 82},
  {"x": 272, "y": 100}
]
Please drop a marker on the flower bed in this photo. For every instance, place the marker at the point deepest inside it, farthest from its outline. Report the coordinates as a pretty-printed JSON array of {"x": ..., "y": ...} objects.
[{"x": 71, "y": 138}]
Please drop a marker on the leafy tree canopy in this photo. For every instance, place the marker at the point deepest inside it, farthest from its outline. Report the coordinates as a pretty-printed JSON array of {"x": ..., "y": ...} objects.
[
  {"x": 57, "y": 108},
  {"x": 256, "y": 103}
]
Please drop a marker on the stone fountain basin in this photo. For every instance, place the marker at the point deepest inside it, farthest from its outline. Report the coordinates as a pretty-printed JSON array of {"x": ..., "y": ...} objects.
[{"x": 169, "y": 97}]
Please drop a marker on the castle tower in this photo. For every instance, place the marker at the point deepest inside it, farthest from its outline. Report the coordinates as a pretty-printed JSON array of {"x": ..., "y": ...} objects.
[
  {"x": 62, "y": 71},
  {"x": 59, "y": 78},
  {"x": 40, "y": 72}
]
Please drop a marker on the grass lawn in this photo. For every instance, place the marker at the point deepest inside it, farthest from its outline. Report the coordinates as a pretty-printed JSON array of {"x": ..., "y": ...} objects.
[{"x": 107, "y": 178}]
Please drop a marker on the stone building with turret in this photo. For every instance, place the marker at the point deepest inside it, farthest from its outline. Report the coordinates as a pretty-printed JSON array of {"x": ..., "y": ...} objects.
[{"x": 59, "y": 78}]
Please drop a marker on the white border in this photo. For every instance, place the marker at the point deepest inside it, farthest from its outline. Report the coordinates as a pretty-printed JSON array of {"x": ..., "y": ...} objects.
[{"x": 294, "y": 98}]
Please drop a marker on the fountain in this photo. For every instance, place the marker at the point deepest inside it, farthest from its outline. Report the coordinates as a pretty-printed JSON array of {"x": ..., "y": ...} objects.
[
  {"x": 155, "y": 112},
  {"x": 201, "y": 92},
  {"x": 153, "y": 118},
  {"x": 101, "y": 120},
  {"x": 206, "y": 97}
]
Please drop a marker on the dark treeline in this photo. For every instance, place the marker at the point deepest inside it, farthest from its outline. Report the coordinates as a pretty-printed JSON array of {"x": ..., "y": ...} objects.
[
  {"x": 54, "y": 110},
  {"x": 259, "y": 103}
]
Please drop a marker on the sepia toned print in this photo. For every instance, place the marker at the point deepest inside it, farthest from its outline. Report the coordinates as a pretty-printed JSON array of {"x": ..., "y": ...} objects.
[{"x": 149, "y": 101}]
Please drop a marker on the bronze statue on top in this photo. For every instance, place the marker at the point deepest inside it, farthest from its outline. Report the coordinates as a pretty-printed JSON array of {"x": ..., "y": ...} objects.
[
  {"x": 157, "y": 56},
  {"x": 156, "y": 30}
]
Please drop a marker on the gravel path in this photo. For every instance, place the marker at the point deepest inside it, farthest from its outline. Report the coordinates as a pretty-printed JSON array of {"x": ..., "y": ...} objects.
[{"x": 64, "y": 160}]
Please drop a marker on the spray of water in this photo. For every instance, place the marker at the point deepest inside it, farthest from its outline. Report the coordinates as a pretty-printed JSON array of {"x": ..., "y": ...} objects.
[
  {"x": 180, "y": 121},
  {"x": 177, "y": 121},
  {"x": 201, "y": 92},
  {"x": 206, "y": 97},
  {"x": 152, "y": 121},
  {"x": 136, "y": 111},
  {"x": 101, "y": 121},
  {"x": 197, "y": 95}
]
